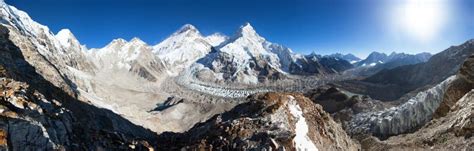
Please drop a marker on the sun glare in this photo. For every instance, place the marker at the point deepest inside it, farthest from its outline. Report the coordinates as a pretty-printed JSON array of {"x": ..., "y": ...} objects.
[{"x": 422, "y": 19}]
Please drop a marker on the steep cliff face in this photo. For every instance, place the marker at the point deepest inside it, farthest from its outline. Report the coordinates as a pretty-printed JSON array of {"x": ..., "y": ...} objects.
[{"x": 268, "y": 121}]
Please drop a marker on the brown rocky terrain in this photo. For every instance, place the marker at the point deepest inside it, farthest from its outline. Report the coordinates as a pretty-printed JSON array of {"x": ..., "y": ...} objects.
[
  {"x": 268, "y": 121},
  {"x": 458, "y": 88}
]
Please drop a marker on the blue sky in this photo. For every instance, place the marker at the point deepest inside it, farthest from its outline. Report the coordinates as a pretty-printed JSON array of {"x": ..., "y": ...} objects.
[{"x": 323, "y": 26}]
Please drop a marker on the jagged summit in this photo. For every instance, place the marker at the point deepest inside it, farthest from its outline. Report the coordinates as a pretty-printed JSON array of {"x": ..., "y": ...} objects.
[
  {"x": 247, "y": 27},
  {"x": 182, "y": 48},
  {"x": 187, "y": 28},
  {"x": 471, "y": 41},
  {"x": 136, "y": 40},
  {"x": 116, "y": 42},
  {"x": 248, "y": 31},
  {"x": 120, "y": 42},
  {"x": 375, "y": 53}
]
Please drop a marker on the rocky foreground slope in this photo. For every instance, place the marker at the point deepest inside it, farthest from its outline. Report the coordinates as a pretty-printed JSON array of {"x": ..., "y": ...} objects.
[
  {"x": 31, "y": 121},
  {"x": 269, "y": 121}
]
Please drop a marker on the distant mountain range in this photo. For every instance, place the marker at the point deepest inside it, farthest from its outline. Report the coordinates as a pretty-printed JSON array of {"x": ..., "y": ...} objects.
[
  {"x": 396, "y": 59},
  {"x": 394, "y": 82},
  {"x": 377, "y": 58},
  {"x": 348, "y": 57}
]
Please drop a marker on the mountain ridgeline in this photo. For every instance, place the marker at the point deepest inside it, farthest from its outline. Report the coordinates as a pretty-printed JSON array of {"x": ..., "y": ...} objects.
[{"x": 216, "y": 92}]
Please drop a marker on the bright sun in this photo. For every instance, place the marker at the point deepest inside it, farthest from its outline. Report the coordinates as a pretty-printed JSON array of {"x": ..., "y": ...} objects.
[{"x": 422, "y": 19}]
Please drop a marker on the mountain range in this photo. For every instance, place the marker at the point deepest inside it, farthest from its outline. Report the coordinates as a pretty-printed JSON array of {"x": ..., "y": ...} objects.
[{"x": 218, "y": 92}]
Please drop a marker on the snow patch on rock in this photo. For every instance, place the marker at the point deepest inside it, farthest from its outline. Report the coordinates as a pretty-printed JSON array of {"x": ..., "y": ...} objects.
[{"x": 301, "y": 140}]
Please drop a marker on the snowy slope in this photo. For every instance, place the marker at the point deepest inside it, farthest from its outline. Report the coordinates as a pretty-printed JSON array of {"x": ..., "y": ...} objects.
[
  {"x": 182, "y": 48},
  {"x": 57, "y": 52},
  {"x": 247, "y": 44},
  {"x": 134, "y": 56},
  {"x": 216, "y": 39},
  {"x": 247, "y": 57}
]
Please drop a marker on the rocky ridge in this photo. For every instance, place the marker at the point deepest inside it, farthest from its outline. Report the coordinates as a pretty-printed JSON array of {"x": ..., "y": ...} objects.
[{"x": 271, "y": 121}]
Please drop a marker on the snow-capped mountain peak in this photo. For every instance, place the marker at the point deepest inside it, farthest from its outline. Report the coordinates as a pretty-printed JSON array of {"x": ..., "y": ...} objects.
[
  {"x": 246, "y": 44},
  {"x": 128, "y": 50},
  {"x": 182, "y": 48},
  {"x": 116, "y": 43},
  {"x": 247, "y": 31},
  {"x": 187, "y": 29},
  {"x": 348, "y": 57},
  {"x": 124, "y": 45},
  {"x": 64, "y": 34},
  {"x": 137, "y": 41},
  {"x": 66, "y": 38},
  {"x": 120, "y": 53}
]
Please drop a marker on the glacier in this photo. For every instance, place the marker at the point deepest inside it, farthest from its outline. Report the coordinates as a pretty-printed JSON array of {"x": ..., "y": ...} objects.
[{"x": 401, "y": 119}]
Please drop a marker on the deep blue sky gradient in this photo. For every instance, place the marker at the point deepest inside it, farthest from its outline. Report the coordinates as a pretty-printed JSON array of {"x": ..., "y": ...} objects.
[{"x": 323, "y": 26}]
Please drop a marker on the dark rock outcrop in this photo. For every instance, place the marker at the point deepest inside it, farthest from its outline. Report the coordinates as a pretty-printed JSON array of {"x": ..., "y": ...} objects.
[
  {"x": 314, "y": 64},
  {"x": 330, "y": 98},
  {"x": 342, "y": 106},
  {"x": 458, "y": 88}
]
